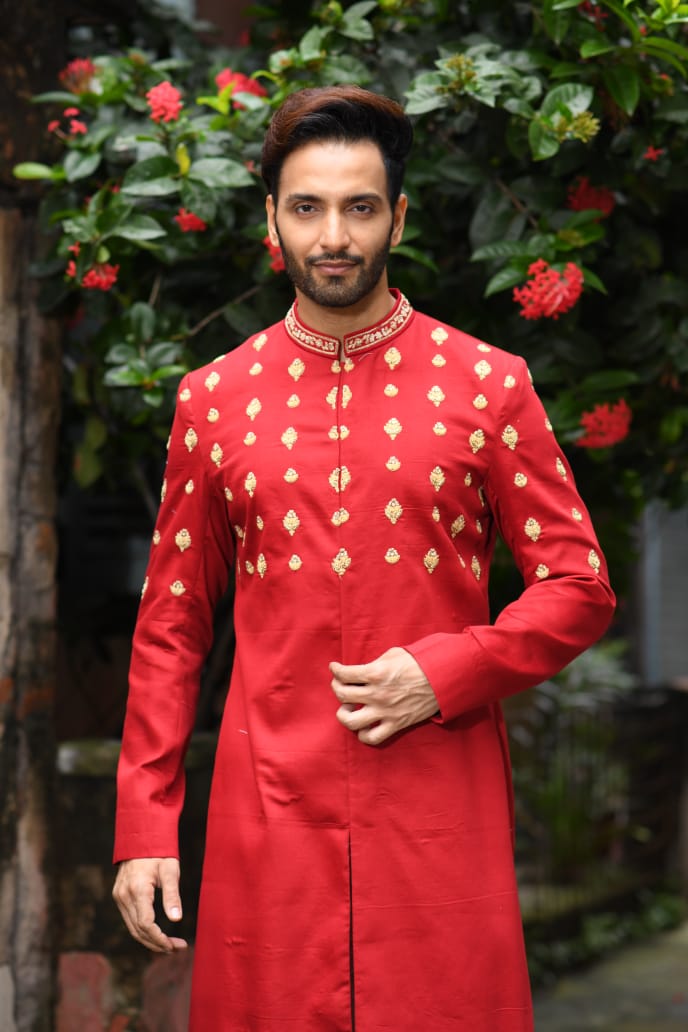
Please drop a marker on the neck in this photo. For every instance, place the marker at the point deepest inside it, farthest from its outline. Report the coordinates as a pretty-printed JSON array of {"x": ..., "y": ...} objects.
[{"x": 339, "y": 322}]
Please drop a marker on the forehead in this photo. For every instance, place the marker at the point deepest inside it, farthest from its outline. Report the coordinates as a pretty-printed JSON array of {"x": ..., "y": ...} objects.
[{"x": 332, "y": 167}]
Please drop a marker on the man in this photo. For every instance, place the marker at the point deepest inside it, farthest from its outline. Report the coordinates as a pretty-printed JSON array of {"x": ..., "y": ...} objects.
[{"x": 354, "y": 462}]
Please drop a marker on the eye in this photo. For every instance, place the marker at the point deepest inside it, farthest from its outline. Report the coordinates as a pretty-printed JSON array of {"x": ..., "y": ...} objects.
[
  {"x": 304, "y": 208},
  {"x": 362, "y": 209}
]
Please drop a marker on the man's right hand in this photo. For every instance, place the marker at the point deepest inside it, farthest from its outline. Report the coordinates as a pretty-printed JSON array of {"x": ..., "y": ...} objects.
[{"x": 134, "y": 894}]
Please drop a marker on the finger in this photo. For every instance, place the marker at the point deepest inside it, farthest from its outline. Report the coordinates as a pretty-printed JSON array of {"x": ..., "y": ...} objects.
[
  {"x": 169, "y": 884},
  {"x": 357, "y": 718},
  {"x": 359, "y": 674},
  {"x": 352, "y": 695},
  {"x": 377, "y": 734}
]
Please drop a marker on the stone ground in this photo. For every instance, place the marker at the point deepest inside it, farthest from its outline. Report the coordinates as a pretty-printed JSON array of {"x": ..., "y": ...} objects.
[{"x": 642, "y": 988}]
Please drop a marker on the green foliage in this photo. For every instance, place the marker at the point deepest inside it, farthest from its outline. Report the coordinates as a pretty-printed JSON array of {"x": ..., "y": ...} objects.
[{"x": 513, "y": 105}]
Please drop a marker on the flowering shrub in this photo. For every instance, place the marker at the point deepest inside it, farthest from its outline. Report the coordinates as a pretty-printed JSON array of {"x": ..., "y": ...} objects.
[{"x": 547, "y": 187}]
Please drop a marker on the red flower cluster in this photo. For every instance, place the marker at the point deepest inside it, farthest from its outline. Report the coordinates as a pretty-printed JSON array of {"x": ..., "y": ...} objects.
[
  {"x": 549, "y": 293},
  {"x": 100, "y": 276},
  {"x": 583, "y": 197},
  {"x": 653, "y": 153},
  {"x": 595, "y": 12},
  {"x": 188, "y": 222},
  {"x": 605, "y": 425},
  {"x": 165, "y": 102},
  {"x": 276, "y": 259},
  {"x": 78, "y": 75},
  {"x": 240, "y": 83},
  {"x": 76, "y": 127}
]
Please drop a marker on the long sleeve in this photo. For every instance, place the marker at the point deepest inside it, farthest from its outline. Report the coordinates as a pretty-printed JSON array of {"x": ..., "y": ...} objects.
[
  {"x": 187, "y": 573},
  {"x": 567, "y": 602}
]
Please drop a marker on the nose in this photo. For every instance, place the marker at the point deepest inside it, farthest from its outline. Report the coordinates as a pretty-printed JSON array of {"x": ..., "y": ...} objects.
[{"x": 334, "y": 232}]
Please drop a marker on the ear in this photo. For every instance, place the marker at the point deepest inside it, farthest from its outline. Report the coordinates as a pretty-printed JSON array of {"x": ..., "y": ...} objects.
[
  {"x": 272, "y": 225},
  {"x": 399, "y": 220}
]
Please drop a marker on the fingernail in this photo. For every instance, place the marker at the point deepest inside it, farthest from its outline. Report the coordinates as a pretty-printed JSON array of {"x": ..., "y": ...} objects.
[{"x": 175, "y": 913}]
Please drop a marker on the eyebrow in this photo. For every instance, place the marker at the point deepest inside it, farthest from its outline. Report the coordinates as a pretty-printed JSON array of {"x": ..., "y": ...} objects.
[{"x": 353, "y": 199}]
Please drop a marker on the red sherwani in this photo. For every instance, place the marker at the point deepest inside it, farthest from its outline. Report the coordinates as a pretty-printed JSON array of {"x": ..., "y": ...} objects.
[{"x": 358, "y": 497}]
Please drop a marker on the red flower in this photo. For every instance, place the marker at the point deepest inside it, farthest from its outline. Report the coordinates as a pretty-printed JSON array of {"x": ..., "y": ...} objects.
[
  {"x": 55, "y": 124},
  {"x": 583, "y": 197},
  {"x": 76, "y": 127},
  {"x": 188, "y": 222},
  {"x": 165, "y": 102},
  {"x": 240, "y": 83},
  {"x": 101, "y": 276},
  {"x": 276, "y": 259},
  {"x": 605, "y": 425},
  {"x": 549, "y": 293},
  {"x": 70, "y": 271},
  {"x": 653, "y": 153},
  {"x": 71, "y": 112},
  {"x": 595, "y": 12},
  {"x": 75, "y": 247},
  {"x": 78, "y": 74}
]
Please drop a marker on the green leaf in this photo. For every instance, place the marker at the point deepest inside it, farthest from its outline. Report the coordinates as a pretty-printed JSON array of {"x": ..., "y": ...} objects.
[
  {"x": 608, "y": 380},
  {"x": 591, "y": 279},
  {"x": 563, "y": 5},
  {"x": 543, "y": 143},
  {"x": 311, "y": 45},
  {"x": 165, "y": 372},
  {"x": 121, "y": 354},
  {"x": 142, "y": 320},
  {"x": 80, "y": 165},
  {"x": 35, "y": 170},
  {"x": 594, "y": 47},
  {"x": 243, "y": 319},
  {"x": 165, "y": 353},
  {"x": 416, "y": 255},
  {"x": 151, "y": 177},
  {"x": 200, "y": 199},
  {"x": 355, "y": 28},
  {"x": 81, "y": 227},
  {"x": 575, "y": 97},
  {"x": 56, "y": 97},
  {"x": 556, "y": 22},
  {"x": 220, "y": 173},
  {"x": 502, "y": 249},
  {"x": 504, "y": 279},
  {"x": 138, "y": 227},
  {"x": 623, "y": 84},
  {"x": 124, "y": 376}
]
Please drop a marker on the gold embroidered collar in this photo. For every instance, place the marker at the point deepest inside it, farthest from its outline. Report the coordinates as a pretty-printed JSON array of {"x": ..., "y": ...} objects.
[{"x": 353, "y": 343}]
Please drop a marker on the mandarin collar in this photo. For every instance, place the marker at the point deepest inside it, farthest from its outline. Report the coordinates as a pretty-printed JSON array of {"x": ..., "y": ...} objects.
[{"x": 352, "y": 343}]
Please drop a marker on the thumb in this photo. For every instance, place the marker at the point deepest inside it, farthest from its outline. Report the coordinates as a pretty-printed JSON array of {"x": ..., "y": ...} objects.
[{"x": 169, "y": 884}]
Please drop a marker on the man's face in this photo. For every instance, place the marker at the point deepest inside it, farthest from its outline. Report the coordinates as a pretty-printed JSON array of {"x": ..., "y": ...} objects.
[{"x": 333, "y": 221}]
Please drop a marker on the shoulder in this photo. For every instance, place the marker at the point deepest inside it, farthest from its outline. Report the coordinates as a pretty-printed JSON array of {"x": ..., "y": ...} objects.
[
  {"x": 244, "y": 360},
  {"x": 479, "y": 356}
]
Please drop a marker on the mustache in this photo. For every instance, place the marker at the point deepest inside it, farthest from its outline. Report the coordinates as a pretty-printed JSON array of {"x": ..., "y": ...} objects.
[{"x": 339, "y": 256}]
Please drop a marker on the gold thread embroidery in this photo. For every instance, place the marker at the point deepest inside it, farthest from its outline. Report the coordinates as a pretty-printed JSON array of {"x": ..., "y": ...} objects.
[
  {"x": 260, "y": 522},
  {"x": 253, "y": 408},
  {"x": 250, "y": 439},
  {"x": 346, "y": 395},
  {"x": 393, "y": 464},
  {"x": 439, "y": 335},
  {"x": 177, "y": 588},
  {"x": 475, "y": 567},
  {"x": 182, "y": 539},
  {"x": 392, "y": 357},
  {"x": 296, "y": 369},
  {"x": 289, "y": 437},
  {"x": 392, "y": 556},
  {"x": 468, "y": 479},
  {"x": 156, "y": 537},
  {"x": 341, "y": 562},
  {"x": 431, "y": 560},
  {"x": 260, "y": 341},
  {"x": 439, "y": 429},
  {"x": 393, "y": 510},
  {"x": 520, "y": 480},
  {"x": 532, "y": 528},
  {"x": 144, "y": 587},
  {"x": 261, "y": 565},
  {"x": 437, "y": 477},
  {"x": 436, "y": 514},
  {"x": 482, "y": 368},
  {"x": 438, "y": 361},
  {"x": 478, "y": 526},
  {"x": 256, "y": 369},
  {"x": 393, "y": 428},
  {"x": 458, "y": 525},
  {"x": 212, "y": 380},
  {"x": 331, "y": 397},
  {"x": 185, "y": 395},
  {"x": 291, "y": 476},
  {"x": 436, "y": 395},
  {"x": 190, "y": 439},
  {"x": 291, "y": 522},
  {"x": 339, "y": 478},
  {"x": 213, "y": 415},
  {"x": 484, "y": 347},
  {"x": 477, "y": 441},
  {"x": 577, "y": 515},
  {"x": 542, "y": 571},
  {"x": 163, "y": 491},
  {"x": 239, "y": 531},
  {"x": 293, "y": 401},
  {"x": 348, "y": 364},
  {"x": 340, "y": 517},
  {"x": 594, "y": 560},
  {"x": 216, "y": 454},
  {"x": 333, "y": 433},
  {"x": 250, "y": 484},
  {"x": 510, "y": 437},
  {"x": 561, "y": 468},
  {"x": 250, "y": 568},
  {"x": 548, "y": 425},
  {"x": 228, "y": 495},
  {"x": 168, "y": 442},
  {"x": 480, "y": 401},
  {"x": 481, "y": 496},
  {"x": 336, "y": 366},
  {"x": 509, "y": 382},
  {"x": 391, "y": 390},
  {"x": 295, "y": 563}
]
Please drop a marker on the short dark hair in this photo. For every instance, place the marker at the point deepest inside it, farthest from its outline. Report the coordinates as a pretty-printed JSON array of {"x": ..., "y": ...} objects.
[{"x": 346, "y": 113}]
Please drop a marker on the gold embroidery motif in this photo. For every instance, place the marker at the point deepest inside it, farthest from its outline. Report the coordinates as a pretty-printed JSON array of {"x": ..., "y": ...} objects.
[
  {"x": 481, "y": 496},
  {"x": 520, "y": 480},
  {"x": 289, "y": 437},
  {"x": 510, "y": 437},
  {"x": 156, "y": 537},
  {"x": 296, "y": 369},
  {"x": 212, "y": 380},
  {"x": 295, "y": 563},
  {"x": 391, "y": 391},
  {"x": 561, "y": 468},
  {"x": 250, "y": 439},
  {"x": 336, "y": 366},
  {"x": 475, "y": 567},
  {"x": 393, "y": 464},
  {"x": 348, "y": 364},
  {"x": 439, "y": 429},
  {"x": 577, "y": 515},
  {"x": 393, "y": 510},
  {"x": 341, "y": 562},
  {"x": 392, "y": 556},
  {"x": 339, "y": 478},
  {"x": 482, "y": 368},
  {"x": 346, "y": 395},
  {"x": 468, "y": 479},
  {"x": 256, "y": 369},
  {"x": 532, "y": 528},
  {"x": 291, "y": 476},
  {"x": 260, "y": 341},
  {"x": 250, "y": 568},
  {"x": 338, "y": 433},
  {"x": 478, "y": 526},
  {"x": 219, "y": 358},
  {"x": 261, "y": 565},
  {"x": 144, "y": 587},
  {"x": 216, "y": 454},
  {"x": 439, "y": 335},
  {"x": 594, "y": 560},
  {"x": 213, "y": 415},
  {"x": 436, "y": 514},
  {"x": 177, "y": 588},
  {"x": 480, "y": 401},
  {"x": 548, "y": 425},
  {"x": 344, "y": 432},
  {"x": 477, "y": 441},
  {"x": 293, "y": 401},
  {"x": 436, "y": 395},
  {"x": 259, "y": 522},
  {"x": 228, "y": 495},
  {"x": 190, "y": 439},
  {"x": 437, "y": 478},
  {"x": 339, "y": 517},
  {"x": 458, "y": 525},
  {"x": 462, "y": 561},
  {"x": 438, "y": 361},
  {"x": 484, "y": 347},
  {"x": 392, "y": 357},
  {"x": 250, "y": 483},
  {"x": 509, "y": 382},
  {"x": 163, "y": 491},
  {"x": 530, "y": 375},
  {"x": 393, "y": 428},
  {"x": 168, "y": 442},
  {"x": 182, "y": 539},
  {"x": 239, "y": 531},
  {"x": 185, "y": 395},
  {"x": 431, "y": 560},
  {"x": 253, "y": 408},
  {"x": 542, "y": 571},
  {"x": 291, "y": 522},
  {"x": 331, "y": 397}
]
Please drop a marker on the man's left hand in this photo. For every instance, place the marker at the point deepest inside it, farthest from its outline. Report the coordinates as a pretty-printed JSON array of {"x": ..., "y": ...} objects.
[{"x": 379, "y": 699}]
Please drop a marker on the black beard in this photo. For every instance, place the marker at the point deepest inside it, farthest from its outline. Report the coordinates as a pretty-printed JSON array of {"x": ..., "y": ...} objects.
[{"x": 338, "y": 291}]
